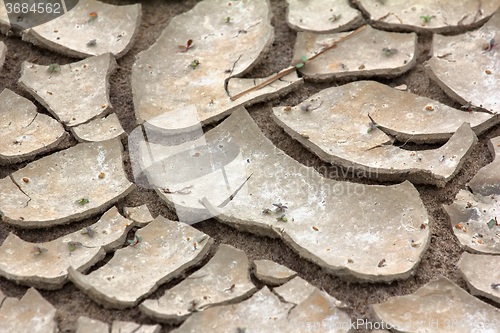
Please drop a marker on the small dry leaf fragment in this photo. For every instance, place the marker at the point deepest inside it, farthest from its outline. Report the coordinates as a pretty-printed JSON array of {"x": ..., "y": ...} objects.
[
  {"x": 381, "y": 263},
  {"x": 422, "y": 226}
]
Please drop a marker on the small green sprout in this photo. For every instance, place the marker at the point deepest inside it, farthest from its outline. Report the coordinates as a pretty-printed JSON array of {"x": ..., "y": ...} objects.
[
  {"x": 493, "y": 222},
  {"x": 194, "y": 63},
  {"x": 300, "y": 65},
  {"x": 137, "y": 240},
  {"x": 73, "y": 245},
  {"x": 186, "y": 47},
  {"x": 82, "y": 201},
  {"x": 89, "y": 231},
  {"x": 371, "y": 127},
  {"x": 495, "y": 285},
  {"x": 227, "y": 19},
  {"x": 280, "y": 207},
  {"x": 192, "y": 307},
  {"x": 426, "y": 18},
  {"x": 54, "y": 68},
  {"x": 282, "y": 218},
  {"x": 335, "y": 17},
  {"x": 388, "y": 51},
  {"x": 266, "y": 211},
  {"x": 39, "y": 250}
]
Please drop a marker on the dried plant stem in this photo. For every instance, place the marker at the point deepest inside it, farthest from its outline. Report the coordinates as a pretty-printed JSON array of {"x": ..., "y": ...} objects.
[{"x": 291, "y": 69}]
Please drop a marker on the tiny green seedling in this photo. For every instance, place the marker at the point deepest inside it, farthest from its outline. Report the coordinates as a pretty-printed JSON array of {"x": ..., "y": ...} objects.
[
  {"x": 280, "y": 207},
  {"x": 227, "y": 19},
  {"x": 489, "y": 46},
  {"x": 335, "y": 17},
  {"x": 371, "y": 127},
  {"x": 194, "y": 63},
  {"x": 54, "y": 68},
  {"x": 192, "y": 306},
  {"x": 469, "y": 106},
  {"x": 39, "y": 250},
  {"x": 136, "y": 241},
  {"x": 427, "y": 18},
  {"x": 282, "y": 218},
  {"x": 266, "y": 211},
  {"x": 388, "y": 51},
  {"x": 188, "y": 45},
  {"x": 89, "y": 231},
  {"x": 73, "y": 245},
  {"x": 92, "y": 42},
  {"x": 93, "y": 17},
  {"x": 301, "y": 64},
  {"x": 83, "y": 201},
  {"x": 493, "y": 222},
  {"x": 495, "y": 285}
]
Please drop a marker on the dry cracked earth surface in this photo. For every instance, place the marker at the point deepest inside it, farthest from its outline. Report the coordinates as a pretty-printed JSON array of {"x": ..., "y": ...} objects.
[{"x": 251, "y": 166}]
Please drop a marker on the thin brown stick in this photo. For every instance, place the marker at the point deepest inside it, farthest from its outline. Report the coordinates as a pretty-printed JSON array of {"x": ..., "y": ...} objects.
[{"x": 289, "y": 70}]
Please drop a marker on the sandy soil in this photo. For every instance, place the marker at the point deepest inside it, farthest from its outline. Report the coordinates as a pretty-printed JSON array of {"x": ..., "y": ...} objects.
[{"x": 440, "y": 259}]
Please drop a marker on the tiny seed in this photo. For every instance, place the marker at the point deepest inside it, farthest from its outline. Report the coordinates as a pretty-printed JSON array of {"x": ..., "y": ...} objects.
[
  {"x": 26, "y": 180},
  {"x": 350, "y": 261},
  {"x": 480, "y": 241},
  {"x": 287, "y": 108},
  {"x": 315, "y": 228},
  {"x": 101, "y": 175},
  {"x": 103, "y": 106},
  {"x": 361, "y": 67},
  {"x": 430, "y": 108},
  {"x": 49, "y": 92},
  {"x": 488, "y": 71},
  {"x": 459, "y": 226}
]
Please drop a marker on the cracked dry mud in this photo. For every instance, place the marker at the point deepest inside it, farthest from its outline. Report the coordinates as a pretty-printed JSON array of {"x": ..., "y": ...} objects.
[{"x": 242, "y": 269}]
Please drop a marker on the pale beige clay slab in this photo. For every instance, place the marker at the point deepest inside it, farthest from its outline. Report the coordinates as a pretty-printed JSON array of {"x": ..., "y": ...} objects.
[
  {"x": 3, "y": 53},
  {"x": 114, "y": 30},
  {"x": 89, "y": 325},
  {"x": 4, "y": 18},
  {"x": 447, "y": 15},
  {"x": 482, "y": 274},
  {"x": 32, "y": 313},
  {"x": 329, "y": 222},
  {"x": 24, "y": 132},
  {"x": 438, "y": 303},
  {"x": 266, "y": 312},
  {"x": 318, "y": 16},
  {"x": 213, "y": 47},
  {"x": 223, "y": 280},
  {"x": 134, "y": 272},
  {"x": 49, "y": 270},
  {"x": 337, "y": 130},
  {"x": 49, "y": 191},
  {"x": 139, "y": 215},
  {"x": 99, "y": 129},
  {"x": 295, "y": 291},
  {"x": 470, "y": 213},
  {"x": 74, "y": 94},
  {"x": 450, "y": 65},
  {"x": 359, "y": 56},
  {"x": 272, "y": 273},
  {"x": 487, "y": 179}
]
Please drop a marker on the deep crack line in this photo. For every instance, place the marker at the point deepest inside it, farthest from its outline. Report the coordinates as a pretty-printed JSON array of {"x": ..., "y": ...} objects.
[{"x": 20, "y": 189}]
